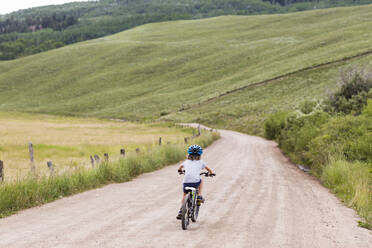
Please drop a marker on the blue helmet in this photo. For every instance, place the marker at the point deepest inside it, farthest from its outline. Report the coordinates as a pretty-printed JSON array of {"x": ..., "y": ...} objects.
[{"x": 195, "y": 150}]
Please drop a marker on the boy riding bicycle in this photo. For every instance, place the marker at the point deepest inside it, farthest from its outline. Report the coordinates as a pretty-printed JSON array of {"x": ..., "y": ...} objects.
[{"x": 193, "y": 166}]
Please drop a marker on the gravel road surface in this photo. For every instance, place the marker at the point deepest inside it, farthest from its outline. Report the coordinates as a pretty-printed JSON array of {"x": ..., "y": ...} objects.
[{"x": 258, "y": 199}]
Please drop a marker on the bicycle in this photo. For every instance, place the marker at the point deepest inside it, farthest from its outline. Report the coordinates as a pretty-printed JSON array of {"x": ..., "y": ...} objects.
[{"x": 191, "y": 205}]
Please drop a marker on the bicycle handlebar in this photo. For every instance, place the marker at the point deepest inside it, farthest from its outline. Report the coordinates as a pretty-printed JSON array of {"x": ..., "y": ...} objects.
[{"x": 206, "y": 174}]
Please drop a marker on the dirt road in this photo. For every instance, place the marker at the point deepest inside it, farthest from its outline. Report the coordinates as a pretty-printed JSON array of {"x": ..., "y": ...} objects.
[{"x": 258, "y": 199}]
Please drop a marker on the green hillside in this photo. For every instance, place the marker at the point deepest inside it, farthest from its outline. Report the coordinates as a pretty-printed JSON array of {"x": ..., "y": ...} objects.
[
  {"x": 35, "y": 30},
  {"x": 156, "y": 70},
  {"x": 246, "y": 110}
]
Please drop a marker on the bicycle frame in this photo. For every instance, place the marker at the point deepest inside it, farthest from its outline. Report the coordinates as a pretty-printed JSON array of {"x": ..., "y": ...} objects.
[{"x": 194, "y": 193}]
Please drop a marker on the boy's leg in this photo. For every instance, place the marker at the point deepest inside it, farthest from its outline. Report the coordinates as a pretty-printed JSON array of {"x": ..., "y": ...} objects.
[
  {"x": 200, "y": 187},
  {"x": 183, "y": 199},
  {"x": 200, "y": 197},
  {"x": 179, "y": 215}
]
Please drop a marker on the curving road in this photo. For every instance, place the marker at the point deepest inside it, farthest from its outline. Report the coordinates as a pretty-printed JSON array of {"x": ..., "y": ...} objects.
[{"x": 258, "y": 199}]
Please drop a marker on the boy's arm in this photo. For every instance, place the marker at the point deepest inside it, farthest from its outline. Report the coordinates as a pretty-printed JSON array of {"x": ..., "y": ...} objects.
[{"x": 209, "y": 170}]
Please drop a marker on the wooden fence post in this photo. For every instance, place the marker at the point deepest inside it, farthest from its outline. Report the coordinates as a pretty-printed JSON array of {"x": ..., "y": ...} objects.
[
  {"x": 199, "y": 130},
  {"x": 92, "y": 161},
  {"x": 106, "y": 157},
  {"x": 122, "y": 152},
  {"x": 32, "y": 164},
  {"x": 1, "y": 171},
  {"x": 97, "y": 159},
  {"x": 160, "y": 141},
  {"x": 185, "y": 140},
  {"x": 137, "y": 150},
  {"x": 51, "y": 168}
]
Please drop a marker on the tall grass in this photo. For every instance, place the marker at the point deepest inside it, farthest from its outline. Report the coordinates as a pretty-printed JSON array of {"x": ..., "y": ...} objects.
[
  {"x": 31, "y": 192},
  {"x": 352, "y": 182}
]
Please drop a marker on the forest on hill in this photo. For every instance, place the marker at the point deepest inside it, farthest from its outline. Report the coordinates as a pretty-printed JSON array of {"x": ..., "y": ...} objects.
[{"x": 35, "y": 30}]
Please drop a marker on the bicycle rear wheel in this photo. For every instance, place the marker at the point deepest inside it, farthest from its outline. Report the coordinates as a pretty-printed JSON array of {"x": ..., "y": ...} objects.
[{"x": 185, "y": 212}]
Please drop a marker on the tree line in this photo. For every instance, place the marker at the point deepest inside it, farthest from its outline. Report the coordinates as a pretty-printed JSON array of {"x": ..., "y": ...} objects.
[{"x": 32, "y": 24}]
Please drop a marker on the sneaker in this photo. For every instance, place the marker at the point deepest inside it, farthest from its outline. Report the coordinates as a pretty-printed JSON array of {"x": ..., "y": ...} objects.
[
  {"x": 200, "y": 199},
  {"x": 179, "y": 216}
]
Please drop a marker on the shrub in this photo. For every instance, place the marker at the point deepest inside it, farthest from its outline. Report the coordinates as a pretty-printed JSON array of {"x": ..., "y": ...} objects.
[
  {"x": 308, "y": 106},
  {"x": 353, "y": 93},
  {"x": 368, "y": 109},
  {"x": 369, "y": 94},
  {"x": 295, "y": 138},
  {"x": 274, "y": 124},
  {"x": 347, "y": 136},
  {"x": 353, "y": 81}
]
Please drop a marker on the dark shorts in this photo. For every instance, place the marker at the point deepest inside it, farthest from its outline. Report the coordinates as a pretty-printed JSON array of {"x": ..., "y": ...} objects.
[{"x": 194, "y": 185}]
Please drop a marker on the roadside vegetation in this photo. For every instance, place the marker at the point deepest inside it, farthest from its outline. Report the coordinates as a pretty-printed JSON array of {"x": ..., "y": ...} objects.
[
  {"x": 69, "y": 141},
  {"x": 334, "y": 138},
  {"x": 41, "y": 29},
  {"x": 36, "y": 190}
]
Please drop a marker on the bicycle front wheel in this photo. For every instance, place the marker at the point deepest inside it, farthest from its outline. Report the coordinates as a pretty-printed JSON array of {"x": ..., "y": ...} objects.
[
  {"x": 196, "y": 214},
  {"x": 186, "y": 212}
]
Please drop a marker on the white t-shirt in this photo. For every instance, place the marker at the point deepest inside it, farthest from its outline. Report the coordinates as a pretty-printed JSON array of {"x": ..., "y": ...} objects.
[{"x": 192, "y": 170}]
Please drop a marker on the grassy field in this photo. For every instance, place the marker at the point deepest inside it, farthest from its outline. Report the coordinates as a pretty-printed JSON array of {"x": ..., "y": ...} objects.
[
  {"x": 69, "y": 142},
  {"x": 247, "y": 109},
  {"x": 158, "y": 69}
]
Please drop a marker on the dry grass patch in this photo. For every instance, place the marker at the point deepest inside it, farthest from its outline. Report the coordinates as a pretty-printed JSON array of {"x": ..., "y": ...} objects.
[{"x": 69, "y": 141}]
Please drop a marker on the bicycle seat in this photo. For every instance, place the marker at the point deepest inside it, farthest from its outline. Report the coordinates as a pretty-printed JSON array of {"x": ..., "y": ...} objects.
[{"x": 190, "y": 188}]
